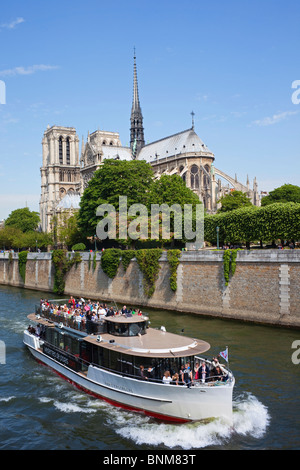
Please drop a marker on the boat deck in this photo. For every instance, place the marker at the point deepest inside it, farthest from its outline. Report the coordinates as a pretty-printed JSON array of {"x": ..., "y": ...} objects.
[{"x": 155, "y": 343}]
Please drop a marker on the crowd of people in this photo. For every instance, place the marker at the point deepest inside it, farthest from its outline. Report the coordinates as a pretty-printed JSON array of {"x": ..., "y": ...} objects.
[
  {"x": 206, "y": 372},
  {"x": 80, "y": 311}
]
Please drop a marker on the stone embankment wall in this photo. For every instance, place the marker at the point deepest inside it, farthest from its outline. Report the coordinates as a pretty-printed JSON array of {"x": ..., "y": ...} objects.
[{"x": 264, "y": 288}]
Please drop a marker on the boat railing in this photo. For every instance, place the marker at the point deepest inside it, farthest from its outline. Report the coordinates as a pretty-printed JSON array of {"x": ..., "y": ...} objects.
[{"x": 83, "y": 325}]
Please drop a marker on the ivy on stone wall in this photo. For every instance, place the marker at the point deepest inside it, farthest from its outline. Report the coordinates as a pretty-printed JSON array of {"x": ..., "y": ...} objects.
[
  {"x": 173, "y": 259},
  {"x": 22, "y": 260},
  {"x": 229, "y": 264},
  {"x": 127, "y": 256},
  {"x": 62, "y": 264},
  {"x": 110, "y": 260},
  {"x": 148, "y": 261}
]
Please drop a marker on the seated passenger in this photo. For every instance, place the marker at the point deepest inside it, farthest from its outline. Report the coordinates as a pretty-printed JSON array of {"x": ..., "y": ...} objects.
[
  {"x": 110, "y": 312},
  {"x": 167, "y": 379},
  {"x": 218, "y": 374},
  {"x": 175, "y": 378},
  {"x": 142, "y": 373},
  {"x": 150, "y": 373}
]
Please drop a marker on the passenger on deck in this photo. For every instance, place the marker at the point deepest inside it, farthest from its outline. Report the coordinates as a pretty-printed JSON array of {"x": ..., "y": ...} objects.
[
  {"x": 142, "y": 373},
  {"x": 218, "y": 374},
  {"x": 187, "y": 375},
  {"x": 110, "y": 312},
  {"x": 197, "y": 371},
  {"x": 215, "y": 362},
  {"x": 167, "y": 379},
  {"x": 175, "y": 378},
  {"x": 204, "y": 372},
  {"x": 150, "y": 373}
]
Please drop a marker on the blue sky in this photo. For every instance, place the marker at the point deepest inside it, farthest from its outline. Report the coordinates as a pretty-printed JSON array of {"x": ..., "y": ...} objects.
[{"x": 232, "y": 62}]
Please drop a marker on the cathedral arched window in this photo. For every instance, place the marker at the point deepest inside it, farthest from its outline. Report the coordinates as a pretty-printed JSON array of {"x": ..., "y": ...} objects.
[
  {"x": 60, "y": 150},
  {"x": 206, "y": 178},
  {"x": 62, "y": 192},
  {"x": 195, "y": 180},
  {"x": 68, "y": 150},
  {"x": 183, "y": 176}
]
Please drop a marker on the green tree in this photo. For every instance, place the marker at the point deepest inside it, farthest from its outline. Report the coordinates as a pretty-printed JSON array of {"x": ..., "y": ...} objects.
[
  {"x": 172, "y": 191},
  {"x": 68, "y": 232},
  {"x": 249, "y": 224},
  {"x": 115, "y": 178},
  {"x": 234, "y": 200},
  {"x": 285, "y": 193},
  {"x": 23, "y": 219},
  {"x": 9, "y": 237}
]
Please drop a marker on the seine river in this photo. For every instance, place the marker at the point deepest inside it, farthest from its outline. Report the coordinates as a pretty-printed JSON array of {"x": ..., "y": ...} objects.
[{"x": 41, "y": 411}]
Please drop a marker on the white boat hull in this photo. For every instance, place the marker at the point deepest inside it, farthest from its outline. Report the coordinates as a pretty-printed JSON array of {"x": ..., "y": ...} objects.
[{"x": 166, "y": 402}]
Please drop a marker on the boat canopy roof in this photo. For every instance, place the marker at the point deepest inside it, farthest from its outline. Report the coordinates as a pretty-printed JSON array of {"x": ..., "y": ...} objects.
[{"x": 156, "y": 343}]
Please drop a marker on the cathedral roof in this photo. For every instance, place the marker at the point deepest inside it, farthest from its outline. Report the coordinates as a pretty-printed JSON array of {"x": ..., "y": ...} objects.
[
  {"x": 69, "y": 201},
  {"x": 183, "y": 142},
  {"x": 122, "y": 153}
]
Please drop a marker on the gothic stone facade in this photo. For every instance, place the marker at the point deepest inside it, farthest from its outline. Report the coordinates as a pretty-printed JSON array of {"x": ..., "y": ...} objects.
[{"x": 64, "y": 177}]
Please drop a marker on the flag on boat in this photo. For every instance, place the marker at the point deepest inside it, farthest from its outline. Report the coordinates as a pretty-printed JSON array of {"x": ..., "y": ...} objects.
[{"x": 224, "y": 354}]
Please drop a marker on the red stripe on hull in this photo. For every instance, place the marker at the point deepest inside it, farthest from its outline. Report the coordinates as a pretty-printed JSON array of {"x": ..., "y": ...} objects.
[{"x": 116, "y": 403}]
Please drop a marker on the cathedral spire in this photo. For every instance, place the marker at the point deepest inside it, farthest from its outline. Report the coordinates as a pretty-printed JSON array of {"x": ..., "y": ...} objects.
[{"x": 136, "y": 119}]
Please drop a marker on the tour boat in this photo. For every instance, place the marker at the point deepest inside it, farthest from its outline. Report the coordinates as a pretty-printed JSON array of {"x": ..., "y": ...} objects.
[{"x": 124, "y": 361}]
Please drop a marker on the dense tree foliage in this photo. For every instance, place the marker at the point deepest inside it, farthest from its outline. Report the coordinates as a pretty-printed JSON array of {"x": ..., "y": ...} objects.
[
  {"x": 115, "y": 178},
  {"x": 133, "y": 179},
  {"x": 14, "y": 238},
  {"x": 276, "y": 221},
  {"x": 285, "y": 193},
  {"x": 234, "y": 200},
  {"x": 23, "y": 219}
]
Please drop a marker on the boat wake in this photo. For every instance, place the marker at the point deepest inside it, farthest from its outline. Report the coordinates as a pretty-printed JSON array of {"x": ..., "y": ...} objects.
[
  {"x": 250, "y": 418},
  {"x": 250, "y": 421}
]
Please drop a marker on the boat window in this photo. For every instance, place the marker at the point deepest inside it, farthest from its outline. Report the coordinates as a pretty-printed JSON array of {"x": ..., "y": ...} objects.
[
  {"x": 85, "y": 351},
  {"x": 114, "y": 361},
  {"x": 136, "y": 329},
  {"x": 126, "y": 329}
]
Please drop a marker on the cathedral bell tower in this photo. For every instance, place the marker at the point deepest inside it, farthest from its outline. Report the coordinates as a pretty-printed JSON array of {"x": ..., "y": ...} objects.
[
  {"x": 60, "y": 173},
  {"x": 137, "y": 140}
]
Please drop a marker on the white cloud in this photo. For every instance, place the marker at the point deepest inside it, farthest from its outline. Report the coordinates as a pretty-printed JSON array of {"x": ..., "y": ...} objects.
[
  {"x": 269, "y": 121},
  {"x": 13, "y": 23},
  {"x": 27, "y": 70}
]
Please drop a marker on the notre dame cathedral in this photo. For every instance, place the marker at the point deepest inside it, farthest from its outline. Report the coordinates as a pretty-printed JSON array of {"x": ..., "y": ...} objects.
[{"x": 66, "y": 170}]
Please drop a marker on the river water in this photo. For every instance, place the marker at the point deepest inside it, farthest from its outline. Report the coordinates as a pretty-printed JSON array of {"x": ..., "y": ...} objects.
[{"x": 41, "y": 411}]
